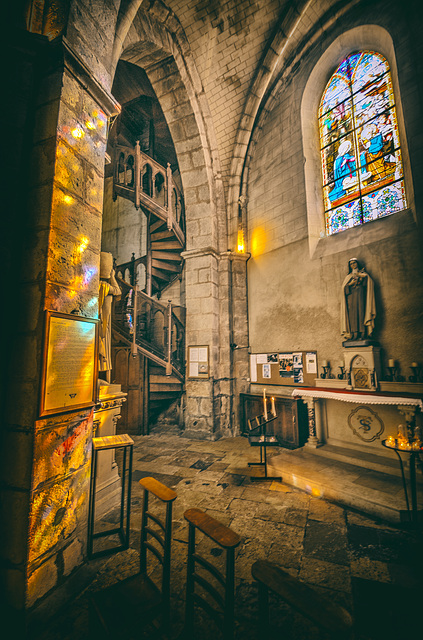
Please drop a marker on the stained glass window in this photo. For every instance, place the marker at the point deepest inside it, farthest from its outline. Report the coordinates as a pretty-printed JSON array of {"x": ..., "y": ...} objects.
[{"x": 359, "y": 141}]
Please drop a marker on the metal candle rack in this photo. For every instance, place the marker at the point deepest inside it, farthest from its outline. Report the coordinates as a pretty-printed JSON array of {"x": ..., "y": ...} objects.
[{"x": 257, "y": 437}]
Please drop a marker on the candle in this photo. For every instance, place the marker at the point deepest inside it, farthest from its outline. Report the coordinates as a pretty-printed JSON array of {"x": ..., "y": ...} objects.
[
  {"x": 265, "y": 407},
  {"x": 324, "y": 363},
  {"x": 273, "y": 407},
  {"x": 414, "y": 365},
  {"x": 391, "y": 362}
]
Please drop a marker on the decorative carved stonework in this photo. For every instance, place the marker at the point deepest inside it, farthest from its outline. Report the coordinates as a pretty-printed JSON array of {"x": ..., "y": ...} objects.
[
  {"x": 365, "y": 424},
  {"x": 362, "y": 366}
]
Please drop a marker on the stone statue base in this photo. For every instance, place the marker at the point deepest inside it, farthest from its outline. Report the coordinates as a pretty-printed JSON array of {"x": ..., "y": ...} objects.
[
  {"x": 106, "y": 416},
  {"x": 362, "y": 366},
  {"x": 348, "y": 344}
]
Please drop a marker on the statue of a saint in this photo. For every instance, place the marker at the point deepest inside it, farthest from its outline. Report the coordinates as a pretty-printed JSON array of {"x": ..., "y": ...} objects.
[
  {"x": 358, "y": 310},
  {"x": 108, "y": 288}
]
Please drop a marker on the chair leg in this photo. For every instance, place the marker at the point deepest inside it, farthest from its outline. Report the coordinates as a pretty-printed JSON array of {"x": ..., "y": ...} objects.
[
  {"x": 189, "y": 606},
  {"x": 263, "y": 604}
]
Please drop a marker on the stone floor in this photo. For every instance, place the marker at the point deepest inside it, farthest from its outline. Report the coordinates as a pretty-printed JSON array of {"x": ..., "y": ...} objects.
[{"x": 372, "y": 568}]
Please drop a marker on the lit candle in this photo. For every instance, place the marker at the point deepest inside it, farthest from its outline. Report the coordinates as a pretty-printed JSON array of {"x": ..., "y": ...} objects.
[
  {"x": 391, "y": 362},
  {"x": 273, "y": 407},
  {"x": 414, "y": 365},
  {"x": 265, "y": 407}
]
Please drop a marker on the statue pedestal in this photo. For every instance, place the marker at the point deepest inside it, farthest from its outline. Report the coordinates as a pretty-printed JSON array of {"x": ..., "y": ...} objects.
[
  {"x": 106, "y": 416},
  {"x": 362, "y": 365}
]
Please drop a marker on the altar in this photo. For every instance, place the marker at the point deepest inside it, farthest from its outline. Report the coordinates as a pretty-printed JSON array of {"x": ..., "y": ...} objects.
[
  {"x": 356, "y": 419},
  {"x": 344, "y": 459}
]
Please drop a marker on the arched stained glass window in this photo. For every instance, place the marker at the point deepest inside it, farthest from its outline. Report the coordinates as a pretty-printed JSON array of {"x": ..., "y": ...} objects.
[{"x": 359, "y": 142}]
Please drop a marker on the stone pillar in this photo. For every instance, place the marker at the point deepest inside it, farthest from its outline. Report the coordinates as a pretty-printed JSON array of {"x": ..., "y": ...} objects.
[
  {"x": 46, "y": 498},
  {"x": 202, "y": 328}
]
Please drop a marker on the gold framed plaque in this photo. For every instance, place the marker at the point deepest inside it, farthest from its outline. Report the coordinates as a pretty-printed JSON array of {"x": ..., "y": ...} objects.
[{"x": 70, "y": 363}]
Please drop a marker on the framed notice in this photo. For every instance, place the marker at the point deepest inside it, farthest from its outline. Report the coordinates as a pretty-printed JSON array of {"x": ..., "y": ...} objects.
[
  {"x": 198, "y": 362},
  {"x": 70, "y": 363}
]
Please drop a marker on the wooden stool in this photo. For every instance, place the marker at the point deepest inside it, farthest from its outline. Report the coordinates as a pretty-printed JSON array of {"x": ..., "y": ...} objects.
[
  {"x": 101, "y": 444},
  {"x": 328, "y": 616},
  {"x": 227, "y": 540},
  {"x": 130, "y": 605}
]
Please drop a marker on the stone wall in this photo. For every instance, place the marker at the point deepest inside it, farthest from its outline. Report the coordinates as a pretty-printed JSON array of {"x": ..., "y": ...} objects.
[{"x": 295, "y": 289}]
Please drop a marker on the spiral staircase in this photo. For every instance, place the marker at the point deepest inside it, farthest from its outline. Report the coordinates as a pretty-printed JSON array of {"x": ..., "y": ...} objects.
[{"x": 141, "y": 324}]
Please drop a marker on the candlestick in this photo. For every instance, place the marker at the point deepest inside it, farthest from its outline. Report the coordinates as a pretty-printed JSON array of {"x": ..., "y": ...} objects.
[{"x": 273, "y": 407}]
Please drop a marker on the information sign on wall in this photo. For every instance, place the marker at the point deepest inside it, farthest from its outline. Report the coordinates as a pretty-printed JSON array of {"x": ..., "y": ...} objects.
[
  {"x": 70, "y": 363},
  {"x": 198, "y": 362}
]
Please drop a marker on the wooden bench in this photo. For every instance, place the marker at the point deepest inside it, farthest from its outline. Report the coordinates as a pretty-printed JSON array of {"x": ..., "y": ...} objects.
[
  {"x": 325, "y": 614},
  {"x": 228, "y": 540}
]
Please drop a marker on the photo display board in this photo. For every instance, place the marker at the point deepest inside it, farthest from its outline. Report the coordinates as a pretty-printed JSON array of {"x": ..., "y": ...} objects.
[
  {"x": 70, "y": 363},
  {"x": 284, "y": 368}
]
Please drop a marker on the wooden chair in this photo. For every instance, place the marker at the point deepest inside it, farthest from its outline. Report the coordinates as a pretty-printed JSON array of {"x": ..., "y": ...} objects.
[
  {"x": 125, "y": 608},
  {"x": 228, "y": 540},
  {"x": 330, "y": 617}
]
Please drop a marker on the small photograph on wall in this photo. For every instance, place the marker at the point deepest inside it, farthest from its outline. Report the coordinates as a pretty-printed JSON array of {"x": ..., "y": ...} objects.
[
  {"x": 272, "y": 357},
  {"x": 266, "y": 371},
  {"x": 297, "y": 360},
  {"x": 286, "y": 365}
]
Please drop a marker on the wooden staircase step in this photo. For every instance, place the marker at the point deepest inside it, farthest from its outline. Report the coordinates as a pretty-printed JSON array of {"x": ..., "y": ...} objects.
[
  {"x": 162, "y": 379},
  {"x": 167, "y": 266},
  {"x": 156, "y": 225},
  {"x": 158, "y": 398},
  {"x": 171, "y": 245},
  {"x": 162, "y": 255},
  {"x": 160, "y": 275},
  {"x": 162, "y": 235}
]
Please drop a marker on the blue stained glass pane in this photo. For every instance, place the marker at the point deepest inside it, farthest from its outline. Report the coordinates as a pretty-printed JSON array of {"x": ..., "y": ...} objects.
[
  {"x": 348, "y": 65},
  {"x": 344, "y": 217},
  {"x": 383, "y": 202}
]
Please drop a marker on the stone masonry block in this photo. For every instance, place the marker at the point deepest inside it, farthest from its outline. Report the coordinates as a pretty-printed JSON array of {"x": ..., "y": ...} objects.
[
  {"x": 195, "y": 178},
  {"x": 75, "y": 219},
  {"x": 72, "y": 556},
  {"x": 41, "y": 581}
]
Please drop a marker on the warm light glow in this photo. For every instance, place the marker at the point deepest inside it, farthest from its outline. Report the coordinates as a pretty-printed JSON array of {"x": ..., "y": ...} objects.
[
  {"x": 67, "y": 199},
  {"x": 84, "y": 244},
  {"x": 78, "y": 133},
  {"x": 241, "y": 246},
  {"x": 258, "y": 241},
  {"x": 90, "y": 125}
]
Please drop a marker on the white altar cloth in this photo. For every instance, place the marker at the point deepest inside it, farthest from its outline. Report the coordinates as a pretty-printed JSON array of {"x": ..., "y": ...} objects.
[{"x": 357, "y": 397}]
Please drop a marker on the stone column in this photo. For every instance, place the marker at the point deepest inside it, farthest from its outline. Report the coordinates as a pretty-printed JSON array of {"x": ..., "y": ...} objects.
[
  {"x": 59, "y": 220},
  {"x": 202, "y": 329}
]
